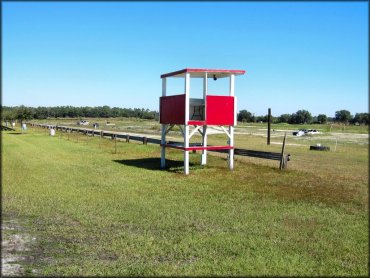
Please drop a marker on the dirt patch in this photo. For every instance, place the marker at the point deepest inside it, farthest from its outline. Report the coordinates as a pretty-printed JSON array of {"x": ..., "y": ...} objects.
[{"x": 15, "y": 245}]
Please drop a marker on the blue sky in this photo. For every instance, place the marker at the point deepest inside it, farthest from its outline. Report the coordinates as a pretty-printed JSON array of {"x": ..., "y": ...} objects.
[{"x": 298, "y": 55}]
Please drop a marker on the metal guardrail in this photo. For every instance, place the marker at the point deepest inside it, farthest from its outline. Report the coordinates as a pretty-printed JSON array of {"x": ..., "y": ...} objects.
[
  {"x": 3, "y": 127},
  {"x": 257, "y": 154},
  {"x": 112, "y": 134}
]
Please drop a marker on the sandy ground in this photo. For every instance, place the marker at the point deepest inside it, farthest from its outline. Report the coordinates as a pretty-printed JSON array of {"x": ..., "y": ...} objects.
[{"x": 14, "y": 244}]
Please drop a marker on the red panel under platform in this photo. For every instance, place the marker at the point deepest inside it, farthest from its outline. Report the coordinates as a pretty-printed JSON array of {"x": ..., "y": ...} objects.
[
  {"x": 196, "y": 122},
  {"x": 172, "y": 110},
  {"x": 197, "y": 148},
  {"x": 220, "y": 110}
]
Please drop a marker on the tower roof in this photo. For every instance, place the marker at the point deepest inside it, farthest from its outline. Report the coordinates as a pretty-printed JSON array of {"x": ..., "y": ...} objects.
[{"x": 218, "y": 73}]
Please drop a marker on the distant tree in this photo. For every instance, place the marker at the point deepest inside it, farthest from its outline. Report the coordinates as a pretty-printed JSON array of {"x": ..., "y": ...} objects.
[
  {"x": 78, "y": 112},
  {"x": 331, "y": 119},
  {"x": 7, "y": 115},
  {"x": 301, "y": 117},
  {"x": 322, "y": 118},
  {"x": 264, "y": 119},
  {"x": 86, "y": 111},
  {"x": 104, "y": 111},
  {"x": 284, "y": 118},
  {"x": 362, "y": 118},
  {"x": 116, "y": 112},
  {"x": 41, "y": 113},
  {"x": 343, "y": 116},
  {"x": 245, "y": 116},
  {"x": 23, "y": 113}
]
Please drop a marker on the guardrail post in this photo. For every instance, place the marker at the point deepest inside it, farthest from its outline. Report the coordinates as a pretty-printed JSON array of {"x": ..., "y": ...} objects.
[
  {"x": 128, "y": 138},
  {"x": 145, "y": 140},
  {"x": 282, "y": 159}
]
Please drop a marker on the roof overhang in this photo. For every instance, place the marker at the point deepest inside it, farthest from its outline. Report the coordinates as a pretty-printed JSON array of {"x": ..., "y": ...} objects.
[{"x": 200, "y": 73}]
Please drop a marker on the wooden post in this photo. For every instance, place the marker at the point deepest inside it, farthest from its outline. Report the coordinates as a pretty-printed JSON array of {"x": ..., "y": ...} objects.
[
  {"x": 145, "y": 140},
  {"x": 115, "y": 143},
  {"x": 127, "y": 138},
  {"x": 282, "y": 161},
  {"x": 269, "y": 126}
]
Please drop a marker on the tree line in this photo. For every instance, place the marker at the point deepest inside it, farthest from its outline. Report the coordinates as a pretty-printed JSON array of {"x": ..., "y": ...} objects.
[
  {"x": 28, "y": 113},
  {"x": 300, "y": 117},
  {"x": 305, "y": 117}
]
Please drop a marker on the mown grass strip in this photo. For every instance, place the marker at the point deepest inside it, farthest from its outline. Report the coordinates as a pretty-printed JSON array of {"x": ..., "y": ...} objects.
[{"x": 94, "y": 212}]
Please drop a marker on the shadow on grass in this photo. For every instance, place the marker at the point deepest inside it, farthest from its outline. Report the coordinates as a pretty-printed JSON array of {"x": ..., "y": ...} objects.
[
  {"x": 155, "y": 164},
  {"x": 15, "y": 133}
]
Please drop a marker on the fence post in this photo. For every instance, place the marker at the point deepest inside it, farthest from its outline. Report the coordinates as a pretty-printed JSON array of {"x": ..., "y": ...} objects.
[
  {"x": 145, "y": 140},
  {"x": 282, "y": 159},
  {"x": 268, "y": 126},
  {"x": 115, "y": 143},
  {"x": 128, "y": 138}
]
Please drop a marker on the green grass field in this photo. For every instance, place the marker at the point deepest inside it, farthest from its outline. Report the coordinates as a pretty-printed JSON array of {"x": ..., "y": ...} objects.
[{"x": 96, "y": 212}]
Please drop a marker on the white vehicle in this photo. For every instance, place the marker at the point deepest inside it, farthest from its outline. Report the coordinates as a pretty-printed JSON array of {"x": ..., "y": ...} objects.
[
  {"x": 83, "y": 122},
  {"x": 299, "y": 133},
  {"x": 312, "y": 131}
]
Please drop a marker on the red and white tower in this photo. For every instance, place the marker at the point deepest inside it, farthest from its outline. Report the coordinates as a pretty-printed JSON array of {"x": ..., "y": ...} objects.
[{"x": 198, "y": 113}]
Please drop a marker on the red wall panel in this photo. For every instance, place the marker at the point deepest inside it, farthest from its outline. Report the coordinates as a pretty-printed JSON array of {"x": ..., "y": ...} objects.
[
  {"x": 172, "y": 110},
  {"x": 220, "y": 110}
]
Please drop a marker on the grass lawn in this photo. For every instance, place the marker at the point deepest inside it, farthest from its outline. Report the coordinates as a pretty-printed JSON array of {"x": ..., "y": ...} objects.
[{"x": 96, "y": 212}]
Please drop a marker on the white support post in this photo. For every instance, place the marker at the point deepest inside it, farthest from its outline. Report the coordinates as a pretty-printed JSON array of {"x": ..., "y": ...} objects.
[
  {"x": 194, "y": 131},
  {"x": 204, "y": 143},
  {"x": 164, "y": 127},
  {"x": 186, "y": 126},
  {"x": 204, "y": 135},
  {"x": 186, "y": 153},
  {"x": 231, "y": 128}
]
